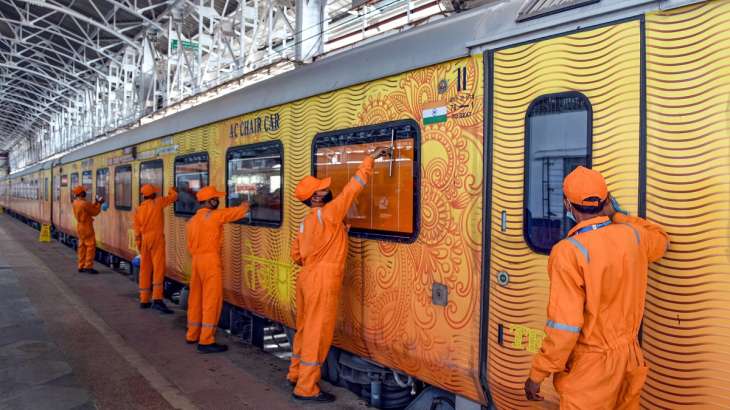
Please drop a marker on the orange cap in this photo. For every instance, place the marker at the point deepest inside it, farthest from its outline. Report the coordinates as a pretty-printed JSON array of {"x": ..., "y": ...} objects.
[
  {"x": 309, "y": 185},
  {"x": 78, "y": 190},
  {"x": 149, "y": 189},
  {"x": 584, "y": 183},
  {"x": 207, "y": 193}
]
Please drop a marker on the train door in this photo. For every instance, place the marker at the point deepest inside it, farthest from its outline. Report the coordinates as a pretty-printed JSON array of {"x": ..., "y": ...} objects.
[{"x": 556, "y": 103}]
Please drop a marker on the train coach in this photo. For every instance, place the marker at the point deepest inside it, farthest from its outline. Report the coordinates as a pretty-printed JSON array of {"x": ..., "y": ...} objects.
[{"x": 486, "y": 112}]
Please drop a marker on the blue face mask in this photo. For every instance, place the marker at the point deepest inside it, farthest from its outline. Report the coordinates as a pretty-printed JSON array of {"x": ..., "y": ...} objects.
[{"x": 570, "y": 216}]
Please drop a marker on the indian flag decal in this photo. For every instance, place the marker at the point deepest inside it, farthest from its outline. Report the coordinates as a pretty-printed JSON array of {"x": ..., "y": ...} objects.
[{"x": 434, "y": 113}]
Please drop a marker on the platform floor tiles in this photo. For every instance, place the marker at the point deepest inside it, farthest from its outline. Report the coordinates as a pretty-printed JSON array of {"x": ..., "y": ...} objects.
[{"x": 78, "y": 341}]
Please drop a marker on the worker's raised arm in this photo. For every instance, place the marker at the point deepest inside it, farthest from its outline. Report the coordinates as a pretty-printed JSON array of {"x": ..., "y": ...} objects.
[
  {"x": 93, "y": 209},
  {"x": 652, "y": 237},
  {"x": 232, "y": 214},
  {"x": 338, "y": 207},
  {"x": 170, "y": 198},
  {"x": 565, "y": 312}
]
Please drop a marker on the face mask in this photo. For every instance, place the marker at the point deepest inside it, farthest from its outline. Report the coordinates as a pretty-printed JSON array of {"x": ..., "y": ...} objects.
[{"x": 569, "y": 215}]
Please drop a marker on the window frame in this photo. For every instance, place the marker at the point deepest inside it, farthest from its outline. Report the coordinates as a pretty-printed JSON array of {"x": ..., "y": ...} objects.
[
  {"x": 139, "y": 177},
  {"x": 249, "y": 221},
  {"x": 46, "y": 191},
  {"x": 96, "y": 183},
  {"x": 388, "y": 236},
  {"x": 526, "y": 153},
  {"x": 174, "y": 179},
  {"x": 131, "y": 199}
]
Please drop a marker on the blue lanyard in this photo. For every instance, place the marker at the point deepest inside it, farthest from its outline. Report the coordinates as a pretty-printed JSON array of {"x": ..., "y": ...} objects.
[{"x": 592, "y": 227}]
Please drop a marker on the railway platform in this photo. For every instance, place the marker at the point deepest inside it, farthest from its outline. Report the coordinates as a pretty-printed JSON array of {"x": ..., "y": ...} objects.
[{"x": 79, "y": 341}]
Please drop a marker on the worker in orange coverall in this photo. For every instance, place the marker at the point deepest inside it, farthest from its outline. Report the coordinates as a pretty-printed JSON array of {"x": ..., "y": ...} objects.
[
  {"x": 321, "y": 249},
  {"x": 149, "y": 232},
  {"x": 204, "y": 235},
  {"x": 84, "y": 212},
  {"x": 598, "y": 279}
]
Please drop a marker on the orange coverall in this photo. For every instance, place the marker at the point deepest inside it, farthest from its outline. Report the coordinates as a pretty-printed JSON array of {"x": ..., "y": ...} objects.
[
  {"x": 204, "y": 236},
  {"x": 321, "y": 249},
  {"x": 149, "y": 230},
  {"x": 598, "y": 282},
  {"x": 84, "y": 212}
]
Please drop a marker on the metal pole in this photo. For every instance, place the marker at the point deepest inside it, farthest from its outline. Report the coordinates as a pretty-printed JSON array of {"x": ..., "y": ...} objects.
[{"x": 271, "y": 28}]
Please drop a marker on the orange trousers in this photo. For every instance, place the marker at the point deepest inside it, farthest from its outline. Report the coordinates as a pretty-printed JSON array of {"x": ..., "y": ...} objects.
[
  {"x": 608, "y": 380},
  {"x": 318, "y": 295},
  {"x": 205, "y": 300},
  {"x": 152, "y": 267},
  {"x": 85, "y": 247}
]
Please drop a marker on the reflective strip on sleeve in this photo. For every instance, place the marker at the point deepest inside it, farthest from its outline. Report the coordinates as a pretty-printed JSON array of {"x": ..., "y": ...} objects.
[
  {"x": 360, "y": 181},
  {"x": 301, "y": 227},
  {"x": 303, "y": 363},
  {"x": 581, "y": 248},
  {"x": 194, "y": 324},
  {"x": 295, "y": 356},
  {"x": 561, "y": 326},
  {"x": 319, "y": 215},
  {"x": 208, "y": 325}
]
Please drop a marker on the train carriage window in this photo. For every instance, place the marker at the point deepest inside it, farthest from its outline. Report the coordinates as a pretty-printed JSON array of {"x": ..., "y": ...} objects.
[
  {"x": 102, "y": 183},
  {"x": 61, "y": 181},
  {"x": 74, "y": 183},
  {"x": 88, "y": 182},
  {"x": 191, "y": 174},
  {"x": 254, "y": 174},
  {"x": 150, "y": 172},
  {"x": 388, "y": 206},
  {"x": 558, "y": 139},
  {"x": 46, "y": 196},
  {"x": 123, "y": 187}
]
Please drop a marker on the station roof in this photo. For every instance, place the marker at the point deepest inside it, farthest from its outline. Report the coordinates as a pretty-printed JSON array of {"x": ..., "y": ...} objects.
[{"x": 49, "y": 49}]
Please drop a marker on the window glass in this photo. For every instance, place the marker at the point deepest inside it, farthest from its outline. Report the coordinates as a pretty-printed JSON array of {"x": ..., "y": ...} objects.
[
  {"x": 74, "y": 183},
  {"x": 46, "y": 197},
  {"x": 255, "y": 175},
  {"x": 388, "y": 206},
  {"x": 150, "y": 172},
  {"x": 102, "y": 183},
  {"x": 57, "y": 187},
  {"x": 191, "y": 174},
  {"x": 123, "y": 187},
  {"x": 87, "y": 182},
  {"x": 558, "y": 139}
]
